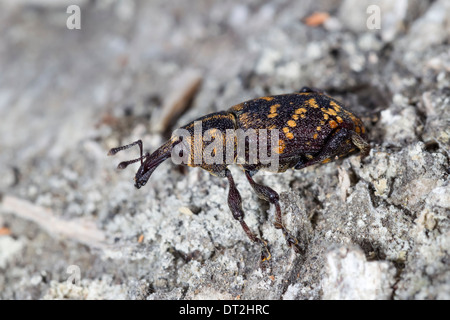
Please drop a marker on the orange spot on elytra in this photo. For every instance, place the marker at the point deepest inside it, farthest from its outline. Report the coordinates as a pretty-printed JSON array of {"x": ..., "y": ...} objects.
[
  {"x": 335, "y": 106},
  {"x": 292, "y": 123},
  {"x": 285, "y": 129},
  {"x": 326, "y": 160},
  {"x": 358, "y": 129},
  {"x": 315, "y": 136},
  {"x": 318, "y": 128},
  {"x": 339, "y": 119},
  {"x": 273, "y": 109},
  {"x": 280, "y": 148},
  {"x": 290, "y": 135},
  {"x": 312, "y": 103},
  {"x": 333, "y": 124},
  {"x": 267, "y": 98},
  {"x": 300, "y": 111},
  {"x": 295, "y": 116},
  {"x": 326, "y": 116},
  {"x": 272, "y": 115}
]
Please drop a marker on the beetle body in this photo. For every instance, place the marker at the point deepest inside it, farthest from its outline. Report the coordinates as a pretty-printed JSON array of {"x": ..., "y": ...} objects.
[{"x": 308, "y": 127}]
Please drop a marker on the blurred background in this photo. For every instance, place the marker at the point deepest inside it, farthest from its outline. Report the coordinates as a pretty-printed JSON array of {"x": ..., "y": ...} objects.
[{"x": 75, "y": 83}]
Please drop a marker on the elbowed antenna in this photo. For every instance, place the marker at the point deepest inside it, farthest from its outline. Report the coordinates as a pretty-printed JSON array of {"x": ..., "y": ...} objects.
[
  {"x": 125, "y": 164},
  {"x": 149, "y": 162}
]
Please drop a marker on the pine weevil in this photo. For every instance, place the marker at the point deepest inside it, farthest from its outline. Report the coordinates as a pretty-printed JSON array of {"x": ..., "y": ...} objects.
[{"x": 310, "y": 127}]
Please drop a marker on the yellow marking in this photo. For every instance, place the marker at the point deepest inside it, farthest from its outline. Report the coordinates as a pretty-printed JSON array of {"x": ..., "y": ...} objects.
[
  {"x": 322, "y": 122},
  {"x": 300, "y": 111},
  {"x": 273, "y": 109},
  {"x": 330, "y": 111},
  {"x": 339, "y": 119},
  {"x": 333, "y": 124},
  {"x": 216, "y": 116},
  {"x": 358, "y": 129},
  {"x": 285, "y": 129},
  {"x": 244, "y": 117},
  {"x": 312, "y": 103},
  {"x": 213, "y": 131},
  {"x": 315, "y": 136},
  {"x": 318, "y": 128},
  {"x": 326, "y": 160},
  {"x": 280, "y": 148},
  {"x": 335, "y": 106},
  {"x": 363, "y": 130},
  {"x": 309, "y": 156},
  {"x": 272, "y": 115},
  {"x": 267, "y": 98},
  {"x": 303, "y": 93},
  {"x": 295, "y": 116},
  {"x": 303, "y": 116},
  {"x": 325, "y": 116},
  {"x": 291, "y": 123},
  {"x": 272, "y": 127},
  {"x": 309, "y": 143},
  {"x": 290, "y": 135},
  {"x": 238, "y": 107}
]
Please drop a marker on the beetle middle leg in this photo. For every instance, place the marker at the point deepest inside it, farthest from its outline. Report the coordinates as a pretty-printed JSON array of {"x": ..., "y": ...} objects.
[
  {"x": 235, "y": 204},
  {"x": 271, "y": 196}
]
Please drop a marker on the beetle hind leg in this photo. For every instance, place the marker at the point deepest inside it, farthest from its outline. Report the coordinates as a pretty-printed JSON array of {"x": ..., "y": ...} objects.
[
  {"x": 272, "y": 197},
  {"x": 235, "y": 204},
  {"x": 338, "y": 145}
]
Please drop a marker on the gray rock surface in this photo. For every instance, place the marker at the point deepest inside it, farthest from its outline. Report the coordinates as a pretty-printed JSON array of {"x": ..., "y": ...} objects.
[{"x": 72, "y": 226}]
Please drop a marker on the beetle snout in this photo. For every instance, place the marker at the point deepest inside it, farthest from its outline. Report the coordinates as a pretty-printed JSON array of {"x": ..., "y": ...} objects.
[{"x": 140, "y": 181}]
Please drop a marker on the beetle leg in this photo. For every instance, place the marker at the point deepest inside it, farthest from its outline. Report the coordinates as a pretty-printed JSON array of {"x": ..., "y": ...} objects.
[
  {"x": 335, "y": 146},
  {"x": 113, "y": 151},
  {"x": 235, "y": 204},
  {"x": 272, "y": 197}
]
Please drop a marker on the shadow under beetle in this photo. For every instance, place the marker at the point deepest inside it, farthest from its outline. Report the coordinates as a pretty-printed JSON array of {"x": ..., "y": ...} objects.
[{"x": 313, "y": 128}]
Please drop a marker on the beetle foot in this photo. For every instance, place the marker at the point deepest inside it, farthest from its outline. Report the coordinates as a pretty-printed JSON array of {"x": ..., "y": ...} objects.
[
  {"x": 265, "y": 256},
  {"x": 293, "y": 243}
]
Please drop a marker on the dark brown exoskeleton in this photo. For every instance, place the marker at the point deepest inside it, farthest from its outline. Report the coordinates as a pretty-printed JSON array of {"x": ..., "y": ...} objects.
[{"x": 311, "y": 128}]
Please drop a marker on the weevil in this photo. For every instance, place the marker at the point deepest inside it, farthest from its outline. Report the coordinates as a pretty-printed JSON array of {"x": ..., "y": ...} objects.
[{"x": 311, "y": 128}]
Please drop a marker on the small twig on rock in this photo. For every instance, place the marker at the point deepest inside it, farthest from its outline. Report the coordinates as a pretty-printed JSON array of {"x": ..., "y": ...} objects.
[{"x": 80, "y": 230}]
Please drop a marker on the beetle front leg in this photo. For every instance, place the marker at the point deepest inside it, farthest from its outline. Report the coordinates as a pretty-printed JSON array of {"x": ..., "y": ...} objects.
[
  {"x": 272, "y": 197},
  {"x": 235, "y": 204}
]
